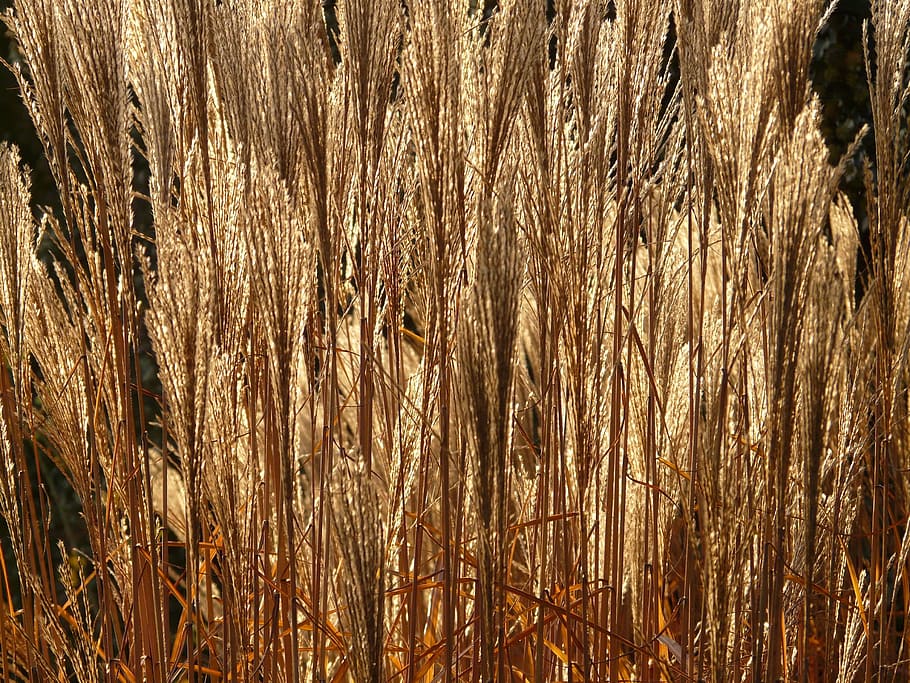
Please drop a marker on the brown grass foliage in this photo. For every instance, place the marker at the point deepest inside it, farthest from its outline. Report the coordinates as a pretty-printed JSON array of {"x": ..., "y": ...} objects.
[{"x": 487, "y": 349}]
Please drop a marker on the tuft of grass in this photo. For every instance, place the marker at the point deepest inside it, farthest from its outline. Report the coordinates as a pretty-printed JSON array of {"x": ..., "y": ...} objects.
[{"x": 502, "y": 341}]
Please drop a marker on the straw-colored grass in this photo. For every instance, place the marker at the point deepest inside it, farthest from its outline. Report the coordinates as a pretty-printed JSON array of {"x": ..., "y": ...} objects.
[{"x": 488, "y": 349}]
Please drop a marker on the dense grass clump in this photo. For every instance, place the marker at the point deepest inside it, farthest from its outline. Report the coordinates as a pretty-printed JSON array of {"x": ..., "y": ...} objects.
[{"x": 473, "y": 341}]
